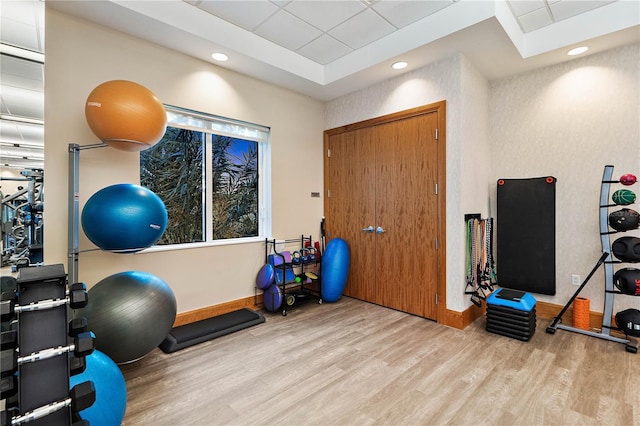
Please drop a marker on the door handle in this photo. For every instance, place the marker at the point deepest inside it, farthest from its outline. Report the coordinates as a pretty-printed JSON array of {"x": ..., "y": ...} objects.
[
  {"x": 379, "y": 230},
  {"x": 368, "y": 229}
]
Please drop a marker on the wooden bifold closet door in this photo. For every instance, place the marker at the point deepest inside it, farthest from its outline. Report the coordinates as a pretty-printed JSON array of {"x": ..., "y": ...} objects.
[{"x": 380, "y": 180}]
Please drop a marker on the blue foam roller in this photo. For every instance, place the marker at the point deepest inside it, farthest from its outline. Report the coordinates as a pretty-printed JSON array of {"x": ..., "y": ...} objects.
[{"x": 334, "y": 269}]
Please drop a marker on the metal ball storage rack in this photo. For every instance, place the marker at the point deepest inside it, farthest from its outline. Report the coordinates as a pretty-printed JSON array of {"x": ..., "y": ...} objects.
[{"x": 294, "y": 292}]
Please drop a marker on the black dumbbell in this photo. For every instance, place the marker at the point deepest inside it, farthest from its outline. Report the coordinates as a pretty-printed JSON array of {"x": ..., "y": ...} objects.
[
  {"x": 8, "y": 339},
  {"x": 77, "y": 326},
  {"x": 77, "y": 364},
  {"x": 77, "y": 297},
  {"x": 8, "y": 386},
  {"x": 7, "y": 302},
  {"x": 8, "y": 362},
  {"x": 83, "y": 344},
  {"x": 81, "y": 397},
  {"x": 5, "y": 418}
]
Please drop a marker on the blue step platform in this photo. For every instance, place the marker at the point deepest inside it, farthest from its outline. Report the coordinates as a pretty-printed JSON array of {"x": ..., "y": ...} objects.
[{"x": 511, "y": 313}]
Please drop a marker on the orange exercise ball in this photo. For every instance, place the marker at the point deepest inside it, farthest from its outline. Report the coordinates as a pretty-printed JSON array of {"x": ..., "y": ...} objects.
[{"x": 125, "y": 115}]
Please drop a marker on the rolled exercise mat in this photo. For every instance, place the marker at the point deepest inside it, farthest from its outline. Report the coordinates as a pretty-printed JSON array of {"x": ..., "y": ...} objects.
[{"x": 581, "y": 313}]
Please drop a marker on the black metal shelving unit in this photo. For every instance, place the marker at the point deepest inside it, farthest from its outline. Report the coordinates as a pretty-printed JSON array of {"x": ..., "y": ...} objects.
[{"x": 294, "y": 291}]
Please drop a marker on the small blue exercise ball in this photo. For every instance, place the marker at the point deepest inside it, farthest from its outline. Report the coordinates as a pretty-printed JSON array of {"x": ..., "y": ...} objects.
[
  {"x": 111, "y": 390},
  {"x": 266, "y": 276},
  {"x": 130, "y": 313},
  {"x": 124, "y": 218},
  {"x": 272, "y": 298}
]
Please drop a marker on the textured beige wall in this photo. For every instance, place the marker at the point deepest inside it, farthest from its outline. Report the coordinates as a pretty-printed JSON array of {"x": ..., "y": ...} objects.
[
  {"x": 81, "y": 55},
  {"x": 466, "y": 92},
  {"x": 566, "y": 121},
  {"x": 569, "y": 121}
]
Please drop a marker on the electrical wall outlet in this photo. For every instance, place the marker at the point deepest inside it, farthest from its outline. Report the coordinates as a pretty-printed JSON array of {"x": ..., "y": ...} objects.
[{"x": 575, "y": 279}]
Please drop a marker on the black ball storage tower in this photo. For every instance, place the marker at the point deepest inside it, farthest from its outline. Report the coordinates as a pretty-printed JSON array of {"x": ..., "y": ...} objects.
[{"x": 631, "y": 344}]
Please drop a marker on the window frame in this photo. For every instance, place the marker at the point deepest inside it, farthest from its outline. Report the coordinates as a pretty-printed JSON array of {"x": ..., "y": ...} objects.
[{"x": 240, "y": 130}]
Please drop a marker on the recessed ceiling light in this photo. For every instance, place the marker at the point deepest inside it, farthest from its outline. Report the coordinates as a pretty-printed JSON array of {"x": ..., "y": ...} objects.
[
  {"x": 577, "y": 50},
  {"x": 399, "y": 65},
  {"x": 219, "y": 56}
]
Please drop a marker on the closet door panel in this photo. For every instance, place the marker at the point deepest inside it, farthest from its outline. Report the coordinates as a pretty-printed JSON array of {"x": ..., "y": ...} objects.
[
  {"x": 406, "y": 209},
  {"x": 350, "y": 206},
  {"x": 383, "y": 173}
]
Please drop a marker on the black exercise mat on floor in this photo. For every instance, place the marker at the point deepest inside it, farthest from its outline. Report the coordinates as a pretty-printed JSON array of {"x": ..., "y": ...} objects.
[{"x": 197, "y": 332}]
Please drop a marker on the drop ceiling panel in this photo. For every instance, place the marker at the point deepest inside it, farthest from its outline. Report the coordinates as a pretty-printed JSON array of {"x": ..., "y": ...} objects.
[
  {"x": 21, "y": 24},
  {"x": 21, "y": 73},
  {"x": 522, "y": 7},
  {"x": 23, "y": 103},
  {"x": 245, "y": 14},
  {"x": 19, "y": 163},
  {"x": 287, "y": 30},
  {"x": 324, "y": 49},
  {"x": 534, "y": 20},
  {"x": 403, "y": 13},
  {"x": 17, "y": 133},
  {"x": 22, "y": 87},
  {"x": 568, "y": 8},
  {"x": 362, "y": 29},
  {"x": 21, "y": 152},
  {"x": 324, "y": 15}
]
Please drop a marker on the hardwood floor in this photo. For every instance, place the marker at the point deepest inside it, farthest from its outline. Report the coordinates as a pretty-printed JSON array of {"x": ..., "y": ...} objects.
[{"x": 355, "y": 363}]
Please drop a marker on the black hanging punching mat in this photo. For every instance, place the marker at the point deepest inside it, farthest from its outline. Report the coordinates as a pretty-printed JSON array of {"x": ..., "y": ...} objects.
[
  {"x": 200, "y": 331},
  {"x": 526, "y": 234}
]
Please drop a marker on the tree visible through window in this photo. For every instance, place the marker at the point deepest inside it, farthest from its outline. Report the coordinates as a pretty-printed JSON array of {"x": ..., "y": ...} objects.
[
  {"x": 235, "y": 188},
  {"x": 209, "y": 183},
  {"x": 173, "y": 169}
]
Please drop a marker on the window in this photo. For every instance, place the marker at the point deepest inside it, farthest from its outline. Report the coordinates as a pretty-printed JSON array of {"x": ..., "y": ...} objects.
[{"x": 209, "y": 171}]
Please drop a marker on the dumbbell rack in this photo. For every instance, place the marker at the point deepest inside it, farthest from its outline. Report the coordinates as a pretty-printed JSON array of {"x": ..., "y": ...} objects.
[
  {"x": 43, "y": 396},
  {"x": 293, "y": 292},
  {"x": 631, "y": 345}
]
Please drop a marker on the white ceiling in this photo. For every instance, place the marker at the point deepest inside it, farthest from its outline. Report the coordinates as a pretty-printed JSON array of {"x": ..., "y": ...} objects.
[{"x": 326, "y": 49}]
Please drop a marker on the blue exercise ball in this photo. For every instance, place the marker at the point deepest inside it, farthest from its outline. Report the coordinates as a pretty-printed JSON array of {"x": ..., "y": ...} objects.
[
  {"x": 273, "y": 297},
  {"x": 334, "y": 268},
  {"x": 130, "y": 313},
  {"x": 266, "y": 276},
  {"x": 111, "y": 390},
  {"x": 124, "y": 218}
]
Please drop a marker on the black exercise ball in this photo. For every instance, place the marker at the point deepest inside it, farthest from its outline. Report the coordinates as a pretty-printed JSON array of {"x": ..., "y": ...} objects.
[
  {"x": 627, "y": 280},
  {"x": 629, "y": 322},
  {"x": 130, "y": 313},
  {"x": 624, "y": 219}
]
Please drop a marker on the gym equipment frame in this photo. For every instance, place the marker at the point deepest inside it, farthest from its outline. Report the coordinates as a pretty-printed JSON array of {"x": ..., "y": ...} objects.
[{"x": 631, "y": 344}]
